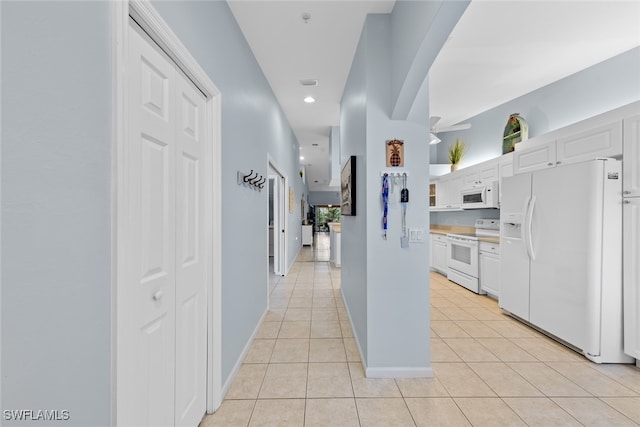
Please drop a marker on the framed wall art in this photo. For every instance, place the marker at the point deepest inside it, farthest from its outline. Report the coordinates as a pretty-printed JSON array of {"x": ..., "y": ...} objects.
[
  {"x": 395, "y": 153},
  {"x": 348, "y": 187}
]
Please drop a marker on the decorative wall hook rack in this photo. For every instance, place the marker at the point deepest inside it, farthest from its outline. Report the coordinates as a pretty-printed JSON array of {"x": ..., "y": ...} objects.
[
  {"x": 251, "y": 180},
  {"x": 394, "y": 173}
]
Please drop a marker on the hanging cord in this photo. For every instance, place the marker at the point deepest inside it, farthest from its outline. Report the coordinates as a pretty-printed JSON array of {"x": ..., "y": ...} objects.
[
  {"x": 385, "y": 203},
  {"x": 404, "y": 200}
]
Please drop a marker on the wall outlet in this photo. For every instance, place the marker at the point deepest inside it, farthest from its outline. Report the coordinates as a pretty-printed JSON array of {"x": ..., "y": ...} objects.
[{"x": 416, "y": 235}]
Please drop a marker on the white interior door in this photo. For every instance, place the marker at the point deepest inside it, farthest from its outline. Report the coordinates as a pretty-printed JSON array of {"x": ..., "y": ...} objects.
[
  {"x": 191, "y": 333},
  {"x": 148, "y": 397},
  {"x": 162, "y": 332}
]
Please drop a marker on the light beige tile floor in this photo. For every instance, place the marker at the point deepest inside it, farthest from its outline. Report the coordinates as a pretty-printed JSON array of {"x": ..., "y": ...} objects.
[{"x": 303, "y": 368}]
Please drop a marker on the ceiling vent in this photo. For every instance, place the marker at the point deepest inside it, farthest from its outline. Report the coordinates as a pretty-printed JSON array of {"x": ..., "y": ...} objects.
[{"x": 309, "y": 82}]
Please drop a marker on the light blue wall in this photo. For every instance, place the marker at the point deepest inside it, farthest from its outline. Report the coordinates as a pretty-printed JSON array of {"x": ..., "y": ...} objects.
[
  {"x": 386, "y": 287},
  {"x": 600, "y": 88},
  {"x": 353, "y": 140},
  {"x": 253, "y": 125},
  {"x": 56, "y": 204},
  {"x": 397, "y": 279}
]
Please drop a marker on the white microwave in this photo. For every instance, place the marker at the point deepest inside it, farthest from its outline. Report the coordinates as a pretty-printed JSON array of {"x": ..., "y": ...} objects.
[{"x": 484, "y": 196}]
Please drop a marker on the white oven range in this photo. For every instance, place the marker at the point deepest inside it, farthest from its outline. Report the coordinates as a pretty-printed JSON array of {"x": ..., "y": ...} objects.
[{"x": 462, "y": 254}]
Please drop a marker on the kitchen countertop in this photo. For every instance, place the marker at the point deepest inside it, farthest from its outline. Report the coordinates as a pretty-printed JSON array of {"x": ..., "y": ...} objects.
[{"x": 446, "y": 229}]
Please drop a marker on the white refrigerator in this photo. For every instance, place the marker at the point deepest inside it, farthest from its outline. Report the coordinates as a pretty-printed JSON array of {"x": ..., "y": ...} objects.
[{"x": 561, "y": 252}]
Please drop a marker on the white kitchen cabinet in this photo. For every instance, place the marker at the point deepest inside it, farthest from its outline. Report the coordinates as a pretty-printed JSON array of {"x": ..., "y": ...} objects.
[
  {"x": 433, "y": 194},
  {"x": 335, "y": 246},
  {"x": 601, "y": 141},
  {"x": 539, "y": 156},
  {"x": 307, "y": 235},
  {"x": 448, "y": 191},
  {"x": 439, "y": 253},
  {"x": 506, "y": 165},
  {"x": 489, "y": 266},
  {"x": 482, "y": 174},
  {"x": 631, "y": 160},
  {"x": 506, "y": 169},
  {"x": 631, "y": 275},
  {"x": 576, "y": 144}
]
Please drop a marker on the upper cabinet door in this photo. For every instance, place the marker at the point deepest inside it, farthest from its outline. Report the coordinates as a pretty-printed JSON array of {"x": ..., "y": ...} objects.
[
  {"x": 533, "y": 158},
  {"x": 631, "y": 163},
  {"x": 483, "y": 174},
  {"x": 603, "y": 141}
]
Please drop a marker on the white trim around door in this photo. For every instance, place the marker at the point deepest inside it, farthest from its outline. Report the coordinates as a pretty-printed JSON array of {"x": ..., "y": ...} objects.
[
  {"x": 151, "y": 22},
  {"x": 283, "y": 217}
]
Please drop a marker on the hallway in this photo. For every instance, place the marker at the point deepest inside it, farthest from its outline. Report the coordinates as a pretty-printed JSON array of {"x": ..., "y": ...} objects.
[{"x": 303, "y": 368}]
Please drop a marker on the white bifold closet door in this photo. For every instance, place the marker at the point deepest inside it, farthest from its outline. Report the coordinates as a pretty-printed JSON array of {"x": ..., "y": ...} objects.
[{"x": 166, "y": 294}]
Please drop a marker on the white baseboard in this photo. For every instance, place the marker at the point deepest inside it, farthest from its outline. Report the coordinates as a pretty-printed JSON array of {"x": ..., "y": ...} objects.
[
  {"x": 404, "y": 372},
  {"x": 243, "y": 355}
]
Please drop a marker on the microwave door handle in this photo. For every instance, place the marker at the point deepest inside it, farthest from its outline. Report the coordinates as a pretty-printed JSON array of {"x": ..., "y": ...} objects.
[{"x": 528, "y": 229}]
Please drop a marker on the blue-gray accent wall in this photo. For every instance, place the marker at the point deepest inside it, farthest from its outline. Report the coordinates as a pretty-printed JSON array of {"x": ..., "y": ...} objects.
[{"x": 56, "y": 210}]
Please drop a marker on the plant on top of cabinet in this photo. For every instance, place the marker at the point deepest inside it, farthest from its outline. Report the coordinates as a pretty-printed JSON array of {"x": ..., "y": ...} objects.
[{"x": 456, "y": 151}]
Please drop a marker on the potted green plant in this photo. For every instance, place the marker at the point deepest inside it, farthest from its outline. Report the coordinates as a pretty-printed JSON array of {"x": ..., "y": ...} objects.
[{"x": 456, "y": 151}]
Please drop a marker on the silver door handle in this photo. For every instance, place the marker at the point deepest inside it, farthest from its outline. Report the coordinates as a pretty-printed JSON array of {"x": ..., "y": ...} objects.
[
  {"x": 626, "y": 202},
  {"x": 157, "y": 296},
  {"x": 626, "y": 192}
]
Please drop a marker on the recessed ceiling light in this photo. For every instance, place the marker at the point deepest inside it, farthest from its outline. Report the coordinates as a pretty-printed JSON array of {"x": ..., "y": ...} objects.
[
  {"x": 301, "y": 157},
  {"x": 309, "y": 99}
]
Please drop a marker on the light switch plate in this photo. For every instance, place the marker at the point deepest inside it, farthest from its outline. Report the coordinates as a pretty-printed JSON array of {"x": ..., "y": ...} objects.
[{"x": 416, "y": 235}]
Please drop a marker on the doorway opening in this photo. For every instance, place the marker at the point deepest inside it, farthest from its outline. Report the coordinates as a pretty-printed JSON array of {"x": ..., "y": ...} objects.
[
  {"x": 325, "y": 215},
  {"x": 277, "y": 211}
]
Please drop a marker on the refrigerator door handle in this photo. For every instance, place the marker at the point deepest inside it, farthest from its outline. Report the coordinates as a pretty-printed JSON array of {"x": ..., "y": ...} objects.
[{"x": 528, "y": 227}]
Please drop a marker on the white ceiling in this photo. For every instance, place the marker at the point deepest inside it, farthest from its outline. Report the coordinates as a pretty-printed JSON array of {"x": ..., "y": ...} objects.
[{"x": 499, "y": 51}]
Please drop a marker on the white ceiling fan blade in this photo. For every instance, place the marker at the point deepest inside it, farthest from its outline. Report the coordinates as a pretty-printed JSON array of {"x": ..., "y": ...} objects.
[{"x": 461, "y": 126}]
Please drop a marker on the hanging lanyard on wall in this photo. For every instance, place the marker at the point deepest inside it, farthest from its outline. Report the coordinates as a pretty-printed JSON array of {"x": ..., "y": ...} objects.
[
  {"x": 404, "y": 199},
  {"x": 385, "y": 202}
]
